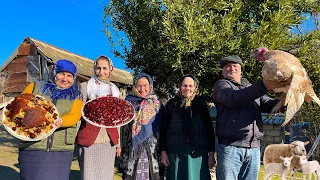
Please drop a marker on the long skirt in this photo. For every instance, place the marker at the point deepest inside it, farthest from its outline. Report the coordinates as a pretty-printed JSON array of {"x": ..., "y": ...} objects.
[
  {"x": 40, "y": 165},
  {"x": 97, "y": 161},
  {"x": 142, "y": 172},
  {"x": 143, "y": 168},
  {"x": 188, "y": 167}
]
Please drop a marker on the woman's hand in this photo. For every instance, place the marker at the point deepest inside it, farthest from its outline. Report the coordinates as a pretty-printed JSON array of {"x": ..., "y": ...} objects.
[
  {"x": 118, "y": 153},
  {"x": 164, "y": 159},
  {"x": 211, "y": 160},
  {"x": 58, "y": 123}
]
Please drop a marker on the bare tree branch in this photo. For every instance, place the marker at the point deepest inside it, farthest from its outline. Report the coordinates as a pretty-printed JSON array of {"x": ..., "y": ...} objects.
[{"x": 315, "y": 16}]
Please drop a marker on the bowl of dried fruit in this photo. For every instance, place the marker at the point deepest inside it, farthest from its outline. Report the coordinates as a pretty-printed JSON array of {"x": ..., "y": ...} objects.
[
  {"x": 30, "y": 117},
  {"x": 108, "y": 112}
]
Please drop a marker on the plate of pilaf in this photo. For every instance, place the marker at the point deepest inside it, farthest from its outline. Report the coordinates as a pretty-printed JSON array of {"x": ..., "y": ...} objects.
[{"x": 30, "y": 117}]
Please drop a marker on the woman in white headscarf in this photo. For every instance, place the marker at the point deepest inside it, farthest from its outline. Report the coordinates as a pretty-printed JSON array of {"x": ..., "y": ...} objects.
[
  {"x": 97, "y": 146},
  {"x": 187, "y": 140}
]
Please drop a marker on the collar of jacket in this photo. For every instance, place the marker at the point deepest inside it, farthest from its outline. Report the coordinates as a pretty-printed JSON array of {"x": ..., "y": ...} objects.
[{"x": 244, "y": 82}]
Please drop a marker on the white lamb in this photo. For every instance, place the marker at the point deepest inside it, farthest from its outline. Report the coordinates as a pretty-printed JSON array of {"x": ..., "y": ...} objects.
[
  {"x": 273, "y": 152},
  {"x": 281, "y": 168},
  {"x": 309, "y": 167}
]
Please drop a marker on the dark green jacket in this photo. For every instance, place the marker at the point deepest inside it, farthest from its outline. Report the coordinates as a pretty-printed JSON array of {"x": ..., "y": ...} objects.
[{"x": 186, "y": 130}]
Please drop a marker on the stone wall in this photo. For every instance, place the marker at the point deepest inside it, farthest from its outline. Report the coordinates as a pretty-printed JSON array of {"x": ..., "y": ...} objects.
[{"x": 272, "y": 135}]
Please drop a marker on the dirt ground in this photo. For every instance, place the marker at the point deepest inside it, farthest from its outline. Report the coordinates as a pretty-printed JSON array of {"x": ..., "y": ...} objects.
[{"x": 9, "y": 167}]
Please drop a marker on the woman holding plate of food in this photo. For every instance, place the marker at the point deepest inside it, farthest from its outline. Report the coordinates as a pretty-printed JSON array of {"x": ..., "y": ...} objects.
[
  {"x": 97, "y": 145},
  {"x": 51, "y": 158}
]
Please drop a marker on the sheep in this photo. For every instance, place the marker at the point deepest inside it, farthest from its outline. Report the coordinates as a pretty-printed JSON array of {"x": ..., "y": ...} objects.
[
  {"x": 273, "y": 152},
  {"x": 281, "y": 168},
  {"x": 295, "y": 165},
  {"x": 309, "y": 167}
]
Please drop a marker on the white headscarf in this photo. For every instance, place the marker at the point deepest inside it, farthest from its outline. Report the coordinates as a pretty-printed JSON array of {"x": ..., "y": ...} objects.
[{"x": 98, "y": 88}]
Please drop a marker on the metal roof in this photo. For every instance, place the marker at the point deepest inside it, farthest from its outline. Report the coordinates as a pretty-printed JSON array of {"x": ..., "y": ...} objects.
[
  {"x": 84, "y": 65},
  {"x": 272, "y": 119}
]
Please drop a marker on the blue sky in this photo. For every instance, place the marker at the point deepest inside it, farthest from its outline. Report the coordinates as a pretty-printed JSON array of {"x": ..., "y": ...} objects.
[{"x": 74, "y": 25}]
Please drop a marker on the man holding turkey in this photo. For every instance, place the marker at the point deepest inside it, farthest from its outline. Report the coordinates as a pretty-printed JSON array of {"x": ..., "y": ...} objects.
[{"x": 239, "y": 123}]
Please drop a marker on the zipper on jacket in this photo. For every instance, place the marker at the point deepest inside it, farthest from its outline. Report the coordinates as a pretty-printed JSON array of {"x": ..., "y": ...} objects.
[
  {"x": 251, "y": 139},
  {"x": 253, "y": 125}
]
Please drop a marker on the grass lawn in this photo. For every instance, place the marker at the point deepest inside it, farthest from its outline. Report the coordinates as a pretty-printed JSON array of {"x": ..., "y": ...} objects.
[
  {"x": 9, "y": 169},
  {"x": 276, "y": 177},
  {"x": 9, "y": 161}
]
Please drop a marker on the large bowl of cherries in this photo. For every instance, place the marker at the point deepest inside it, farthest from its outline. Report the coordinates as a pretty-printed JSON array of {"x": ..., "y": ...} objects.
[{"x": 108, "y": 112}]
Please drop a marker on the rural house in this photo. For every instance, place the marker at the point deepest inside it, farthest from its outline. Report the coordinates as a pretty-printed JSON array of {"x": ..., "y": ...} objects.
[{"x": 33, "y": 60}]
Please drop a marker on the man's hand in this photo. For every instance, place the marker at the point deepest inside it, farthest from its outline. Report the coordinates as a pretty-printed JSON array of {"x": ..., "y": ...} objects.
[
  {"x": 164, "y": 159},
  {"x": 211, "y": 160},
  {"x": 270, "y": 85},
  {"x": 283, "y": 98}
]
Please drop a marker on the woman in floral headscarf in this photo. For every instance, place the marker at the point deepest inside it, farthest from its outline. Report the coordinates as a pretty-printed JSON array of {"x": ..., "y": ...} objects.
[
  {"x": 97, "y": 146},
  {"x": 187, "y": 141},
  {"x": 139, "y": 138}
]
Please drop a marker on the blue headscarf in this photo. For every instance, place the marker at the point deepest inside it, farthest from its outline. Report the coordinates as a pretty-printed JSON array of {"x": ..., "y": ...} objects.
[
  {"x": 145, "y": 124},
  {"x": 51, "y": 89},
  {"x": 67, "y": 66}
]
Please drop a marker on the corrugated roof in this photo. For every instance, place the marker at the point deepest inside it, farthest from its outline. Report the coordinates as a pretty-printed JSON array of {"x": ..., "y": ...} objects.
[
  {"x": 7, "y": 62},
  {"x": 84, "y": 65},
  {"x": 272, "y": 119}
]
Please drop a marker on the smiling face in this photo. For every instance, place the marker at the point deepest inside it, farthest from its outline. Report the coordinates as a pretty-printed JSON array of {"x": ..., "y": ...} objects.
[
  {"x": 102, "y": 68},
  {"x": 187, "y": 87},
  {"x": 232, "y": 70},
  {"x": 64, "y": 79},
  {"x": 143, "y": 86}
]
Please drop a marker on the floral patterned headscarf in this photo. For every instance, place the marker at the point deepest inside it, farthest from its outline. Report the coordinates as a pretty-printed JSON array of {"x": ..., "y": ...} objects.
[{"x": 148, "y": 107}]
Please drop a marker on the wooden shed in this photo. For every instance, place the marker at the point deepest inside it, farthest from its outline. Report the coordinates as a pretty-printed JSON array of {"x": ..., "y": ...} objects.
[{"x": 33, "y": 61}]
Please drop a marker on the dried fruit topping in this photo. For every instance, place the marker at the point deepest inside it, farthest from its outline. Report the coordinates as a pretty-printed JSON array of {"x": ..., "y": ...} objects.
[{"x": 108, "y": 111}]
